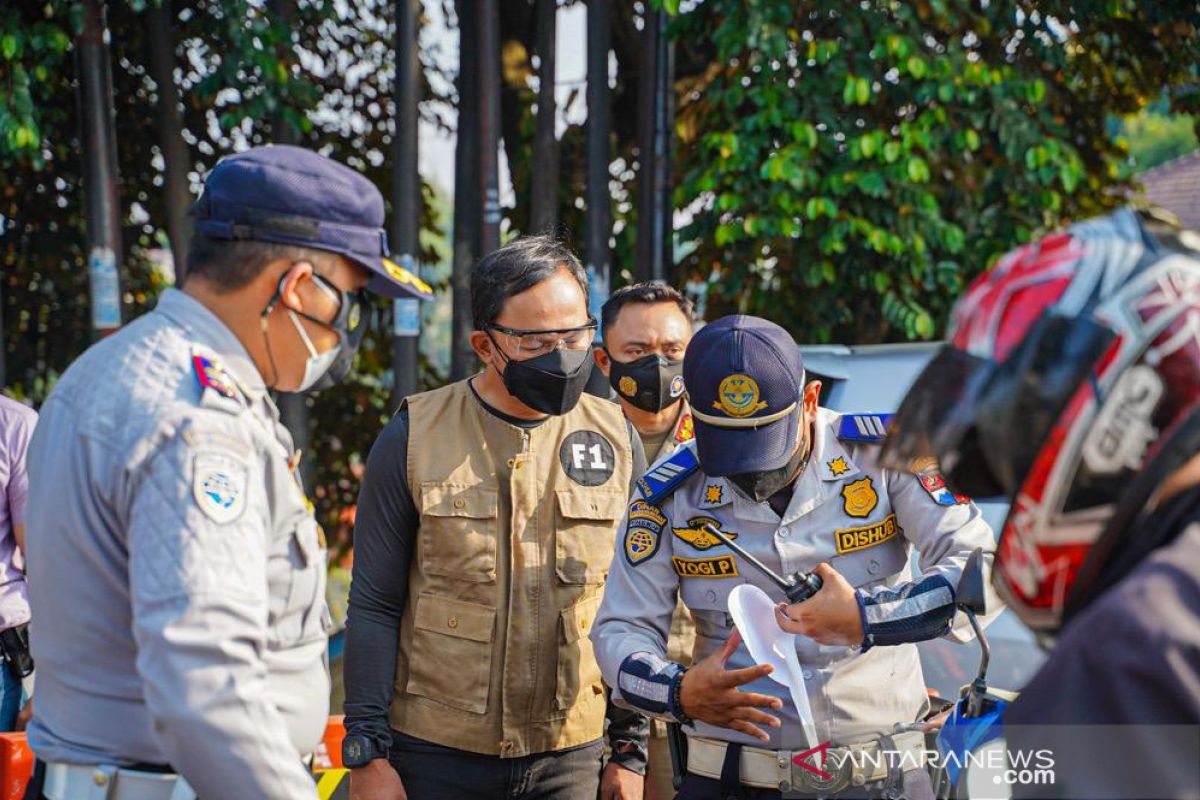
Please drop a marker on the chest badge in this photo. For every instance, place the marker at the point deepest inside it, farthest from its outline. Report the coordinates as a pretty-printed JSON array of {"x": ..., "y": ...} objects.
[
  {"x": 838, "y": 466},
  {"x": 860, "y": 497},
  {"x": 695, "y": 535}
]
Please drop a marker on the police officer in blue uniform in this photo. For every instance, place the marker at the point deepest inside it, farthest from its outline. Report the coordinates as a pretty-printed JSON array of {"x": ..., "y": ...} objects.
[
  {"x": 797, "y": 487},
  {"x": 175, "y": 567}
]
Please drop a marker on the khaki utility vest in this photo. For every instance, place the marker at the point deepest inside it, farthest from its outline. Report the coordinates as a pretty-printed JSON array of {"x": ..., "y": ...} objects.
[{"x": 517, "y": 530}]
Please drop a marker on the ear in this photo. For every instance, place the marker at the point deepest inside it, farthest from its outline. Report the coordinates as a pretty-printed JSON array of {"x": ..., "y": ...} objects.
[
  {"x": 812, "y": 393},
  {"x": 482, "y": 345},
  {"x": 297, "y": 275},
  {"x": 602, "y": 360}
]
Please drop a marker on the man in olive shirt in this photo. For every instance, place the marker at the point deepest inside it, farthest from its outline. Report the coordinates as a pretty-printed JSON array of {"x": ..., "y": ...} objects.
[
  {"x": 647, "y": 328},
  {"x": 485, "y": 528}
]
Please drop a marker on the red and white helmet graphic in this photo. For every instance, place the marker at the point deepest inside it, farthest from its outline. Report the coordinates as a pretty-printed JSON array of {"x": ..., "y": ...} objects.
[{"x": 1070, "y": 385}]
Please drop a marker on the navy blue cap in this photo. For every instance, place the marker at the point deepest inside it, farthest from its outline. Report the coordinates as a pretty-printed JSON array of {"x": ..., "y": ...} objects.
[
  {"x": 745, "y": 384},
  {"x": 290, "y": 195}
]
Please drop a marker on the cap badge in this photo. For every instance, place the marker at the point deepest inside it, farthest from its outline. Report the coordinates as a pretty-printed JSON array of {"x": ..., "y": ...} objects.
[
  {"x": 860, "y": 497},
  {"x": 737, "y": 396},
  {"x": 627, "y": 386}
]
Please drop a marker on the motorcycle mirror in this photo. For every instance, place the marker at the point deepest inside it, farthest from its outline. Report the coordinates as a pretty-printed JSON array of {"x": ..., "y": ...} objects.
[{"x": 971, "y": 594}]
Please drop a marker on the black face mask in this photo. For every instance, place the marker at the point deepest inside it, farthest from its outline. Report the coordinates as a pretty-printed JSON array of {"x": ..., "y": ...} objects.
[
  {"x": 651, "y": 383},
  {"x": 550, "y": 383},
  {"x": 763, "y": 484}
]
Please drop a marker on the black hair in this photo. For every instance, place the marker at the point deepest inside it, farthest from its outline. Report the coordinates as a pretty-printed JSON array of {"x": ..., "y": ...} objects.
[
  {"x": 515, "y": 267},
  {"x": 647, "y": 293},
  {"x": 230, "y": 264}
]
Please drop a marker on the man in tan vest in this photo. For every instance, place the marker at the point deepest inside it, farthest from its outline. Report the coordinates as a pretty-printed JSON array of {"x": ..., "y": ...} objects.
[
  {"x": 485, "y": 529},
  {"x": 647, "y": 327}
]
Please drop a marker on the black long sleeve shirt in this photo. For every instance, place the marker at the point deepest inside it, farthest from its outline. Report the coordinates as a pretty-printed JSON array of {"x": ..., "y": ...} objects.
[{"x": 385, "y": 534}]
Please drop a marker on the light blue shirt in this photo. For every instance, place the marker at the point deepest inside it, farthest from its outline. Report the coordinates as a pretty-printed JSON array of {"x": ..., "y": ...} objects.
[{"x": 176, "y": 573}]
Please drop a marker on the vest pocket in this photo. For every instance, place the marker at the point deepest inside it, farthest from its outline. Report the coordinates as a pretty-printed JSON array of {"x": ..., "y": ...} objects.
[
  {"x": 578, "y": 672},
  {"x": 458, "y": 531},
  {"x": 453, "y": 640},
  {"x": 585, "y": 532}
]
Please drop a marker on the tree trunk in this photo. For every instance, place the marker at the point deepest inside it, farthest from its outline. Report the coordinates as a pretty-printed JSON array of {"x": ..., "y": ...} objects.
[
  {"x": 543, "y": 215},
  {"x": 467, "y": 206},
  {"x": 169, "y": 127}
]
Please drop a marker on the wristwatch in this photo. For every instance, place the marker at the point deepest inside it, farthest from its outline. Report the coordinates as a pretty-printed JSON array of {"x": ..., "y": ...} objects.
[{"x": 359, "y": 750}]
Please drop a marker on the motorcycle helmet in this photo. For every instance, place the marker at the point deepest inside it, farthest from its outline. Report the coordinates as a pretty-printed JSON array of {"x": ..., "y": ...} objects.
[{"x": 1070, "y": 385}]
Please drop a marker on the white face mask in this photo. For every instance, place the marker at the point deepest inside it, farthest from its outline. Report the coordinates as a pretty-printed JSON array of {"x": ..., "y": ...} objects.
[{"x": 318, "y": 363}]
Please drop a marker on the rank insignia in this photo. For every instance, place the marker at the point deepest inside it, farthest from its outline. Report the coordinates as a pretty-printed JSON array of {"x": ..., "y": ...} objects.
[
  {"x": 860, "y": 497},
  {"x": 850, "y": 540},
  {"x": 211, "y": 375},
  {"x": 935, "y": 486},
  {"x": 716, "y": 567},
  {"x": 627, "y": 386},
  {"x": 714, "y": 493},
  {"x": 737, "y": 396},
  {"x": 695, "y": 535},
  {"x": 838, "y": 466},
  {"x": 642, "y": 531}
]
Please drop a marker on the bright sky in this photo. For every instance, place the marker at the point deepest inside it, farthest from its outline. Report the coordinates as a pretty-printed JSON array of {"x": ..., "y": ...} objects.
[{"x": 436, "y": 148}]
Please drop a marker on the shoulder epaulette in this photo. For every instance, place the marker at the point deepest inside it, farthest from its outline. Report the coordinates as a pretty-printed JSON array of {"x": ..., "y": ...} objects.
[
  {"x": 864, "y": 427},
  {"x": 666, "y": 475}
]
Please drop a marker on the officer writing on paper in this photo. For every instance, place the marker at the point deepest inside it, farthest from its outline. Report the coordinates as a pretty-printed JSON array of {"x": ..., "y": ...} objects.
[
  {"x": 797, "y": 486},
  {"x": 647, "y": 327},
  {"x": 175, "y": 569}
]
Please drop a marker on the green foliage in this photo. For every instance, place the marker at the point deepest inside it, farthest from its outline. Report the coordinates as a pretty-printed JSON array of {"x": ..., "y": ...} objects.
[
  {"x": 1154, "y": 137},
  {"x": 854, "y": 165},
  {"x": 328, "y": 75}
]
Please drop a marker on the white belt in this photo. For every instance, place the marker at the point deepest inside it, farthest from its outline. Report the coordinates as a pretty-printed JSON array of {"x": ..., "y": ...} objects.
[
  {"x": 855, "y": 764},
  {"x": 107, "y": 782}
]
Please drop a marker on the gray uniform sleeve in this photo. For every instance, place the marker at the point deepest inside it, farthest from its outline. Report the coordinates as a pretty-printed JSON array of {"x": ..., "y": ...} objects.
[
  {"x": 630, "y": 632},
  {"x": 945, "y": 536},
  {"x": 199, "y": 599}
]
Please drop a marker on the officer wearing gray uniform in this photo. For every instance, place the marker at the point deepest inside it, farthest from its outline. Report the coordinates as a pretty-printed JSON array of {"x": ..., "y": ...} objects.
[
  {"x": 175, "y": 567},
  {"x": 797, "y": 486}
]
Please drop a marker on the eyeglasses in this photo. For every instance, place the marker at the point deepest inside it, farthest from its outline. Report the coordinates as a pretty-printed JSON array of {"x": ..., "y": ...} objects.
[
  {"x": 350, "y": 320},
  {"x": 533, "y": 343}
]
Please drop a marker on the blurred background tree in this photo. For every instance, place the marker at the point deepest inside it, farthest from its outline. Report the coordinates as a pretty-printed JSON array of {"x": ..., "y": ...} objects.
[
  {"x": 234, "y": 68},
  {"x": 852, "y": 166}
]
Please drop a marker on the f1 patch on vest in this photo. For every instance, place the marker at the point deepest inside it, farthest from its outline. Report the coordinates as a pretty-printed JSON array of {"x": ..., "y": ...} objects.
[
  {"x": 850, "y": 540},
  {"x": 695, "y": 535},
  {"x": 587, "y": 458},
  {"x": 715, "y": 567},
  {"x": 860, "y": 497},
  {"x": 642, "y": 532}
]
